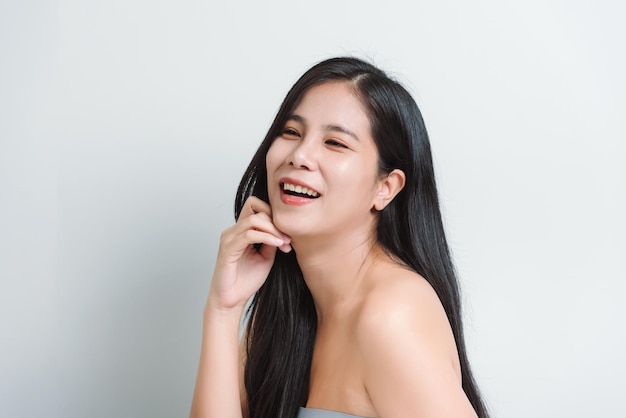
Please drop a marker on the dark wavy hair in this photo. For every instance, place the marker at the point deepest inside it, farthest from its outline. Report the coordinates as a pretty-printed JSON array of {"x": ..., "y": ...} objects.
[{"x": 281, "y": 318}]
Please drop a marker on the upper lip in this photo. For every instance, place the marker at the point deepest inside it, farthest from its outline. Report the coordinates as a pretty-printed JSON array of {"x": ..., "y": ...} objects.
[{"x": 295, "y": 182}]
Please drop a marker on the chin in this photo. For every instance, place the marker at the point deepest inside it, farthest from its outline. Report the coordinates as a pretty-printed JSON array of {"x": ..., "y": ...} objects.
[
  {"x": 294, "y": 225},
  {"x": 285, "y": 224}
]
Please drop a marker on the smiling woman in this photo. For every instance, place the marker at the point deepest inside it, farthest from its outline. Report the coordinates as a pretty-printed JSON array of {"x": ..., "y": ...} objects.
[
  {"x": 319, "y": 150},
  {"x": 358, "y": 313}
]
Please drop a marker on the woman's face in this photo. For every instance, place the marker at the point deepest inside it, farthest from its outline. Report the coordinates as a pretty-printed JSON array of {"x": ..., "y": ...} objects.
[{"x": 322, "y": 171}]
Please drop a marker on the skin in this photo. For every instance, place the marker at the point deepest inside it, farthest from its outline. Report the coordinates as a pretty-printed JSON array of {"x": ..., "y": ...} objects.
[{"x": 384, "y": 347}]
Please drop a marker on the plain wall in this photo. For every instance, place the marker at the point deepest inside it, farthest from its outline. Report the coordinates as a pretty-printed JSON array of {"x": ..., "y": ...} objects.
[{"x": 125, "y": 126}]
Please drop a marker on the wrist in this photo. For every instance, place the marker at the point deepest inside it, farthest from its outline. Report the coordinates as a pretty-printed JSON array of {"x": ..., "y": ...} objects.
[{"x": 224, "y": 313}]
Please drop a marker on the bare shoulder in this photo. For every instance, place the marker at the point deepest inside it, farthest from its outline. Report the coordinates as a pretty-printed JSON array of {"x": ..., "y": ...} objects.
[
  {"x": 401, "y": 301},
  {"x": 408, "y": 350}
]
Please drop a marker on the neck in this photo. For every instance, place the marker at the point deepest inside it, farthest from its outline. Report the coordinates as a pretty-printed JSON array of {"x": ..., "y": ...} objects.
[{"x": 334, "y": 267}]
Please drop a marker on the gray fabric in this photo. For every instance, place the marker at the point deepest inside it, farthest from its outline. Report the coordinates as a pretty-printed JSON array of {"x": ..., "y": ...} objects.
[{"x": 322, "y": 413}]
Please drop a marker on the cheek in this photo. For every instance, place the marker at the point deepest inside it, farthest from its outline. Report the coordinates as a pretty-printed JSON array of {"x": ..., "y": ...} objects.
[
  {"x": 269, "y": 157},
  {"x": 357, "y": 174},
  {"x": 275, "y": 156},
  {"x": 357, "y": 180}
]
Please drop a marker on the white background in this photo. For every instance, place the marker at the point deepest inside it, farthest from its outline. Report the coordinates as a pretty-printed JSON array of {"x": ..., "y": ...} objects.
[{"x": 125, "y": 126}]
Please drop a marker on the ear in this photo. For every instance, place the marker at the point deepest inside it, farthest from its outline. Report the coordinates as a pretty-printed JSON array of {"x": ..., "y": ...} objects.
[{"x": 388, "y": 187}]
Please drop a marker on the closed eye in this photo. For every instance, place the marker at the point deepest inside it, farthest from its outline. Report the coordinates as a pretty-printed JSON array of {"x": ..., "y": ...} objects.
[
  {"x": 290, "y": 132},
  {"x": 334, "y": 143}
]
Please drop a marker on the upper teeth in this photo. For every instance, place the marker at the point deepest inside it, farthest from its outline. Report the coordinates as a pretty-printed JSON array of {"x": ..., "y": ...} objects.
[{"x": 300, "y": 189}]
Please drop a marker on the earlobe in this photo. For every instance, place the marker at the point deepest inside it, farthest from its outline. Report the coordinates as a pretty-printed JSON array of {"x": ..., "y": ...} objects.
[{"x": 389, "y": 187}]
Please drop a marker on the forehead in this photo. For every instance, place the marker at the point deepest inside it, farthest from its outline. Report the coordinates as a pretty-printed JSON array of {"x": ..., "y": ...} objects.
[{"x": 333, "y": 103}]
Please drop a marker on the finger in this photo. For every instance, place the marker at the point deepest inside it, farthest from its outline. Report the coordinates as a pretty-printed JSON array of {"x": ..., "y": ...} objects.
[
  {"x": 252, "y": 237},
  {"x": 255, "y": 205},
  {"x": 285, "y": 248},
  {"x": 263, "y": 222},
  {"x": 268, "y": 251}
]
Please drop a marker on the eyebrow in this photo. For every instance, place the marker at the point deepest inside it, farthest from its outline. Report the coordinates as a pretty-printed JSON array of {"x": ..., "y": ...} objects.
[{"x": 327, "y": 128}]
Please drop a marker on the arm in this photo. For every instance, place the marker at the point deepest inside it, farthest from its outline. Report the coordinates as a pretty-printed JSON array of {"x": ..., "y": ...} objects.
[
  {"x": 217, "y": 391},
  {"x": 240, "y": 270},
  {"x": 411, "y": 362}
]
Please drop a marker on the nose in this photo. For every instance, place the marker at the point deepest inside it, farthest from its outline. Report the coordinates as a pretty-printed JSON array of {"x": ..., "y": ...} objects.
[{"x": 304, "y": 155}]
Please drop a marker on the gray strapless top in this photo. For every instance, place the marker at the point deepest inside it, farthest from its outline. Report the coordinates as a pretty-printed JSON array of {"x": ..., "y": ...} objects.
[{"x": 322, "y": 413}]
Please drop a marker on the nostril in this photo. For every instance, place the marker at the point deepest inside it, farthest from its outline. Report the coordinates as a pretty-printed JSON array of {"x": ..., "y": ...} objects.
[{"x": 302, "y": 157}]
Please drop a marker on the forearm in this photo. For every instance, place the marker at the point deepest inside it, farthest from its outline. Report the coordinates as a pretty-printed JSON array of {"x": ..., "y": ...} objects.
[
  {"x": 241, "y": 269},
  {"x": 217, "y": 392}
]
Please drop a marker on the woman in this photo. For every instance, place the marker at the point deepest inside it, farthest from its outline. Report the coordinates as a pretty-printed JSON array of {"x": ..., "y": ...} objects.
[{"x": 339, "y": 240}]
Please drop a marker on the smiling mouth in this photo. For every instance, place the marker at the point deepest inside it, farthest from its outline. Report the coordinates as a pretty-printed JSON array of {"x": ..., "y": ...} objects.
[{"x": 300, "y": 191}]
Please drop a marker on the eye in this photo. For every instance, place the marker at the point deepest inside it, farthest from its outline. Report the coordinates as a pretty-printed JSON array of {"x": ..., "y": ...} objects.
[
  {"x": 290, "y": 133},
  {"x": 334, "y": 143}
]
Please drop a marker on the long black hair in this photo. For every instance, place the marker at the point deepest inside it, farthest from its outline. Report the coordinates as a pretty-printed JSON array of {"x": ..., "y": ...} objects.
[{"x": 282, "y": 320}]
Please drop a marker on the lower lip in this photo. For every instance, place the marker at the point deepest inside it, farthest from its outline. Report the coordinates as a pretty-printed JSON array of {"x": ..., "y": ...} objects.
[{"x": 294, "y": 200}]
